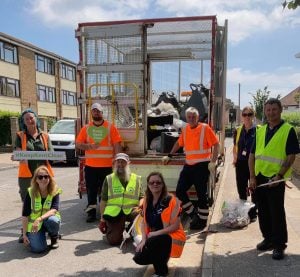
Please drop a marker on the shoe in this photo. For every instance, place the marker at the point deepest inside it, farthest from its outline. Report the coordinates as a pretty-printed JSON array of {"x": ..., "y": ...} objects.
[
  {"x": 253, "y": 219},
  {"x": 278, "y": 254},
  {"x": 197, "y": 223},
  {"x": 54, "y": 242},
  {"x": 21, "y": 239},
  {"x": 91, "y": 216},
  {"x": 264, "y": 245}
]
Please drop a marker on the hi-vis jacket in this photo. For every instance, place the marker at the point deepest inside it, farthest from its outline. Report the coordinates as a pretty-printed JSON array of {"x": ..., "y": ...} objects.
[
  {"x": 269, "y": 158},
  {"x": 37, "y": 209},
  {"x": 106, "y": 135},
  {"x": 120, "y": 198},
  {"x": 197, "y": 143},
  {"x": 24, "y": 171},
  {"x": 168, "y": 216}
]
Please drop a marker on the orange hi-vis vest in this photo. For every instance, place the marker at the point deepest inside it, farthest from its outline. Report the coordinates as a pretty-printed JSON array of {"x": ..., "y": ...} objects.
[
  {"x": 195, "y": 152},
  {"x": 24, "y": 171},
  {"x": 168, "y": 216},
  {"x": 103, "y": 156}
]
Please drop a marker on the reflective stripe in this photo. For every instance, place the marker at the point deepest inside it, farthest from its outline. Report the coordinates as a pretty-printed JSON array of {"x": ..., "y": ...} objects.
[
  {"x": 187, "y": 205},
  {"x": 178, "y": 242},
  {"x": 193, "y": 161},
  {"x": 202, "y": 216},
  {"x": 269, "y": 159},
  {"x": 191, "y": 152},
  {"x": 97, "y": 156},
  {"x": 205, "y": 211}
]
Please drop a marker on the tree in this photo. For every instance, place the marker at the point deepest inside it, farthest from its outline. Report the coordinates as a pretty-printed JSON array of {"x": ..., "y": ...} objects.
[
  {"x": 291, "y": 5},
  {"x": 297, "y": 98},
  {"x": 259, "y": 99},
  {"x": 228, "y": 104}
]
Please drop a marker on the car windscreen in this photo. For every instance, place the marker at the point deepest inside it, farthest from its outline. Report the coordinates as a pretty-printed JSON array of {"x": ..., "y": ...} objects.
[{"x": 63, "y": 127}]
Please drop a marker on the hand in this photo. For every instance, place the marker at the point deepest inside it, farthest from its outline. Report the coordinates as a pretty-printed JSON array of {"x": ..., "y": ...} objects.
[
  {"x": 275, "y": 178},
  {"x": 152, "y": 234},
  {"x": 102, "y": 227},
  {"x": 25, "y": 240},
  {"x": 140, "y": 246},
  {"x": 165, "y": 160},
  {"x": 212, "y": 167},
  {"x": 35, "y": 225}
]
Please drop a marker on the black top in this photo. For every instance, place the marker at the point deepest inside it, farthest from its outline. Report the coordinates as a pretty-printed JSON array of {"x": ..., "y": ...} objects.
[
  {"x": 245, "y": 142},
  {"x": 153, "y": 213},
  {"x": 27, "y": 204},
  {"x": 292, "y": 144}
]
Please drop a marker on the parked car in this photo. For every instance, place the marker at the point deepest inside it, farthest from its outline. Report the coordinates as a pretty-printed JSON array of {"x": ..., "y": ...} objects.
[{"x": 62, "y": 136}]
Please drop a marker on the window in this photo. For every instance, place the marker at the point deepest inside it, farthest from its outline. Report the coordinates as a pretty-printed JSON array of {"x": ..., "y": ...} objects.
[
  {"x": 68, "y": 98},
  {"x": 9, "y": 87},
  {"x": 46, "y": 94},
  {"x": 44, "y": 64},
  {"x": 8, "y": 52},
  {"x": 67, "y": 72}
]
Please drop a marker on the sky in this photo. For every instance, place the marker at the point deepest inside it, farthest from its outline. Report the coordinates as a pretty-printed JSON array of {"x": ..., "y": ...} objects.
[{"x": 263, "y": 39}]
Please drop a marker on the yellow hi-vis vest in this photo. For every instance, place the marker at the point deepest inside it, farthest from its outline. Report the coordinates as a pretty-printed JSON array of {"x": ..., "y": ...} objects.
[
  {"x": 238, "y": 134},
  {"x": 269, "y": 158},
  {"x": 37, "y": 209},
  {"x": 120, "y": 198}
]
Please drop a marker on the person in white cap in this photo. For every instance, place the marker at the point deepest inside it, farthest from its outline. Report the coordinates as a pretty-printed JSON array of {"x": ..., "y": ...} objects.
[
  {"x": 121, "y": 197},
  {"x": 100, "y": 140}
]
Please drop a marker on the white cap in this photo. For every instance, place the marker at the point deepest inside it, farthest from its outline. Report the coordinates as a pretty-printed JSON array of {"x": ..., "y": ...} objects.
[
  {"x": 97, "y": 106},
  {"x": 122, "y": 156}
]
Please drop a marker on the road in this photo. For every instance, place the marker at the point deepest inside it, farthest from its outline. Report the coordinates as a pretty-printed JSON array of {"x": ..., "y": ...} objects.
[{"x": 82, "y": 251}]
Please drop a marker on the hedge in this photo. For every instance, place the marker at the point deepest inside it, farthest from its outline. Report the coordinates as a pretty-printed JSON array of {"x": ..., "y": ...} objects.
[{"x": 5, "y": 137}]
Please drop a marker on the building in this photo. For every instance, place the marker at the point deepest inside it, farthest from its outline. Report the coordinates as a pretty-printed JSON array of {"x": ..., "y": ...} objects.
[
  {"x": 290, "y": 102},
  {"x": 36, "y": 78}
]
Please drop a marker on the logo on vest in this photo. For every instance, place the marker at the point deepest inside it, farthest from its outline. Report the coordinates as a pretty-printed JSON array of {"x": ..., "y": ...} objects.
[{"x": 97, "y": 133}]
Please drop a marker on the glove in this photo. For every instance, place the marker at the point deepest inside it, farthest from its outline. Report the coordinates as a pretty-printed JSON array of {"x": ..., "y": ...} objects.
[
  {"x": 165, "y": 159},
  {"x": 102, "y": 227},
  {"x": 212, "y": 167}
]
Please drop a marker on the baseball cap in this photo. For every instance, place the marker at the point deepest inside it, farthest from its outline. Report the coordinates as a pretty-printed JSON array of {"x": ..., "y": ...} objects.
[
  {"x": 122, "y": 156},
  {"x": 97, "y": 106}
]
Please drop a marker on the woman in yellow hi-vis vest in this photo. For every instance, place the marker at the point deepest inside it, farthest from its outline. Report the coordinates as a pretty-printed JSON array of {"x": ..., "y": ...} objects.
[
  {"x": 271, "y": 158},
  {"x": 162, "y": 232},
  {"x": 40, "y": 211}
]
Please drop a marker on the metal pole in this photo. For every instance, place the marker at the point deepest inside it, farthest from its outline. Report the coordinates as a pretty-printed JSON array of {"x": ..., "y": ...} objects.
[{"x": 179, "y": 79}]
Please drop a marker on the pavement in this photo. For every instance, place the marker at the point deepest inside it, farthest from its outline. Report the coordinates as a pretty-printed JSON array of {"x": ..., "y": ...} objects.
[{"x": 220, "y": 251}]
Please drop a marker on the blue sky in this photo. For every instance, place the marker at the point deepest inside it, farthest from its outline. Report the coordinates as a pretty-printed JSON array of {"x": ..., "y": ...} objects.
[{"x": 262, "y": 38}]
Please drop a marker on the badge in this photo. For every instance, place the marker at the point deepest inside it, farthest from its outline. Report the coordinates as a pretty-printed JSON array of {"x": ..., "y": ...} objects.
[{"x": 244, "y": 153}]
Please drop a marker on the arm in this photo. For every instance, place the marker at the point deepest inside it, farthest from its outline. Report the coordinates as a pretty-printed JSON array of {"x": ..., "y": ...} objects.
[
  {"x": 171, "y": 228},
  {"x": 215, "y": 152},
  {"x": 24, "y": 228},
  {"x": 251, "y": 165},
  {"x": 102, "y": 208},
  {"x": 141, "y": 245},
  {"x": 175, "y": 148}
]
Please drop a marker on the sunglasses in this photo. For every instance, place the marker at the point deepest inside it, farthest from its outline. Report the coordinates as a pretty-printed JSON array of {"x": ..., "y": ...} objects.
[
  {"x": 155, "y": 182},
  {"x": 247, "y": 114},
  {"x": 41, "y": 177}
]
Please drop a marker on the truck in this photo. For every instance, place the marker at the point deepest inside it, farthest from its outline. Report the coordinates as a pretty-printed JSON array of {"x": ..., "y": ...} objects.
[{"x": 118, "y": 62}]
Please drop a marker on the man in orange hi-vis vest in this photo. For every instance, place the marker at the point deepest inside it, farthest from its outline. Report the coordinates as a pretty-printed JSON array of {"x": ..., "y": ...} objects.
[
  {"x": 201, "y": 147},
  {"x": 101, "y": 141}
]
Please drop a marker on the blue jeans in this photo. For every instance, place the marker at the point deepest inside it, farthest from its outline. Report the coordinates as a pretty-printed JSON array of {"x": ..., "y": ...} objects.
[{"x": 38, "y": 241}]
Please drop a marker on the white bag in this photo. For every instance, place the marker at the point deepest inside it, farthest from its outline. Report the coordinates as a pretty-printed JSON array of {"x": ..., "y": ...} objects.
[{"x": 235, "y": 213}]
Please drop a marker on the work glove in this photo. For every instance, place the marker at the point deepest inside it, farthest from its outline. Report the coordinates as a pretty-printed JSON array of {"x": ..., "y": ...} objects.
[
  {"x": 212, "y": 167},
  {"x": 102, "y": 227},
  {"x": 165, "y": 159}
]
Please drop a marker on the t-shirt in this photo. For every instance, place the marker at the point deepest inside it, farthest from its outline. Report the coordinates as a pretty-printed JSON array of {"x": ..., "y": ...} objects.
[
  {"x": 34, "y": 144},
  {"x": 27, "y": 204},
  {"x": 192, "y": 135},
  {"x": 104, "y": 191},
  {"x": 84, "y": 138},
  {"x": 292, "y": 144}
]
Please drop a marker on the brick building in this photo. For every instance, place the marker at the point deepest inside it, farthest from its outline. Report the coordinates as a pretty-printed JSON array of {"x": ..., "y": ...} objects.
[{"x": 36, "y": 78}]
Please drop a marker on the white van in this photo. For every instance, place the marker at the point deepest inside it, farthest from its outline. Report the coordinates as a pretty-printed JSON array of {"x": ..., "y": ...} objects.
[{"x": 62, "y": 136}]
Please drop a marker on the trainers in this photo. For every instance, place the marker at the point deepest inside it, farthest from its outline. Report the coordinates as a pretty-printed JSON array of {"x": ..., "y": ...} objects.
[
  {"x": 21, "y": 239},
  {"x": 278, "y": 254},
  {"x": 91, "y": 216},
  {"x": 264, "y": 245},
  {"x": 197, "y": 223},
  {"x": 54, "y": 243}
]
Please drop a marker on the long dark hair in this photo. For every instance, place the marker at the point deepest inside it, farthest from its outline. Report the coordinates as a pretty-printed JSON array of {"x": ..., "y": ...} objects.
[{"x": 148, "y": 193}]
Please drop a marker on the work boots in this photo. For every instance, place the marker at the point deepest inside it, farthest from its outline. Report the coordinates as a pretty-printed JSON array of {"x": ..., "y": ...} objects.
[
  {"x": 54, "y": 242},
  {"x": 91, "y": 217},
  {"x": 197, "y": 223}
]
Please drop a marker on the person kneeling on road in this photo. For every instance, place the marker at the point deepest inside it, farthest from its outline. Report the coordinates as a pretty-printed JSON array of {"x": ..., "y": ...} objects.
[
  {"x": 121, "y": 197},
  {"x": 40, "y": 211}
]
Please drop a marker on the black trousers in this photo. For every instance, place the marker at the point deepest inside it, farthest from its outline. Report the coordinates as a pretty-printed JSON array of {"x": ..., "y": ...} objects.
[
  {"x": 156, "y": 251},
  {"x": 271, "y": 212},
  {"x": 196, "y": 175},
  {"x": 94, "y": 177}
]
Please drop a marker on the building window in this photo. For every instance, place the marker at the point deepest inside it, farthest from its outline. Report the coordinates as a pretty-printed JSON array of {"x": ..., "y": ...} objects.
[
  {"x": 9, "y": 87},
  {"x": 44, "y": 64},
  {"x": 46, "y": 94},
  {"x": 68, "y": 98},
  {"x": 67, "y": 72},
  {"x": 8, "y": 52}
]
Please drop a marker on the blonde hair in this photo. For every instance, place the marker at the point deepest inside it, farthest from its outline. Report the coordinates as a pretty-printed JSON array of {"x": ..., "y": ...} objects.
[
  {"x": 52, "y": 186},
  {"x": 248, "y": 108}
]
